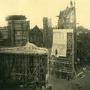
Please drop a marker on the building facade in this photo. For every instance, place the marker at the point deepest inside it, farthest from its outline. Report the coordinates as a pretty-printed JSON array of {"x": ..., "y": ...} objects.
[
  {"x": 4, "y": 36},
  {"x": 26, "y": 66},
  {"x": 47, "y": 32},
  {"x": 18, "y": 28},
  {"x": 36, "y": 36},
  {"x": 63, "y": 53},
  {"x": 66, "y": 18}
]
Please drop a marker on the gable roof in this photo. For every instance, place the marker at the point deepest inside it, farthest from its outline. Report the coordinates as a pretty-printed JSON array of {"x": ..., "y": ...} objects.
[{"x": 36, "y": 28}]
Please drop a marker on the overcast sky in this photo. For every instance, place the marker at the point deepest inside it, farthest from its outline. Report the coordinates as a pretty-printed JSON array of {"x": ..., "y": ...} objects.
[{"x": 35, "y": 10}]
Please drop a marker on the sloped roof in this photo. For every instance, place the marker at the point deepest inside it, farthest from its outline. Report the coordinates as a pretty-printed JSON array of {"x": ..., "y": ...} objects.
[
  {"x": 29, "y": 48},
  {"x": 36, "y": 28}
]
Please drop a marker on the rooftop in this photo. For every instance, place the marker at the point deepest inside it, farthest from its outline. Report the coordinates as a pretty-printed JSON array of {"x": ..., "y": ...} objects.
[
  {"x": 29, "y": 48},
  {"x": 16, "y": 17}
]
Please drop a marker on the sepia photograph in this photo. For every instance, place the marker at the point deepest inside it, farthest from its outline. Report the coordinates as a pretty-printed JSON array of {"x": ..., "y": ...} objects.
[{"x": 44, "y": 44}]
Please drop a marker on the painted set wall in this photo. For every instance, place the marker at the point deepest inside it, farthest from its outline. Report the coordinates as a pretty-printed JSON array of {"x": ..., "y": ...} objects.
[{"x": 59, "y": 47}]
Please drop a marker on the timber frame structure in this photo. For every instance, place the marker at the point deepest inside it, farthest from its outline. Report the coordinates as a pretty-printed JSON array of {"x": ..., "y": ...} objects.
[{"x": 23, "y": 66}]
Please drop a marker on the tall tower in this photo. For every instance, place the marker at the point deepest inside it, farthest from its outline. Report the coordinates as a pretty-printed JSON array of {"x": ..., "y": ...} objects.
[
  {"x": 66, "y": 18},
  {"x": 47, "y": 32},
  {"x": 18, "y": 30}
]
